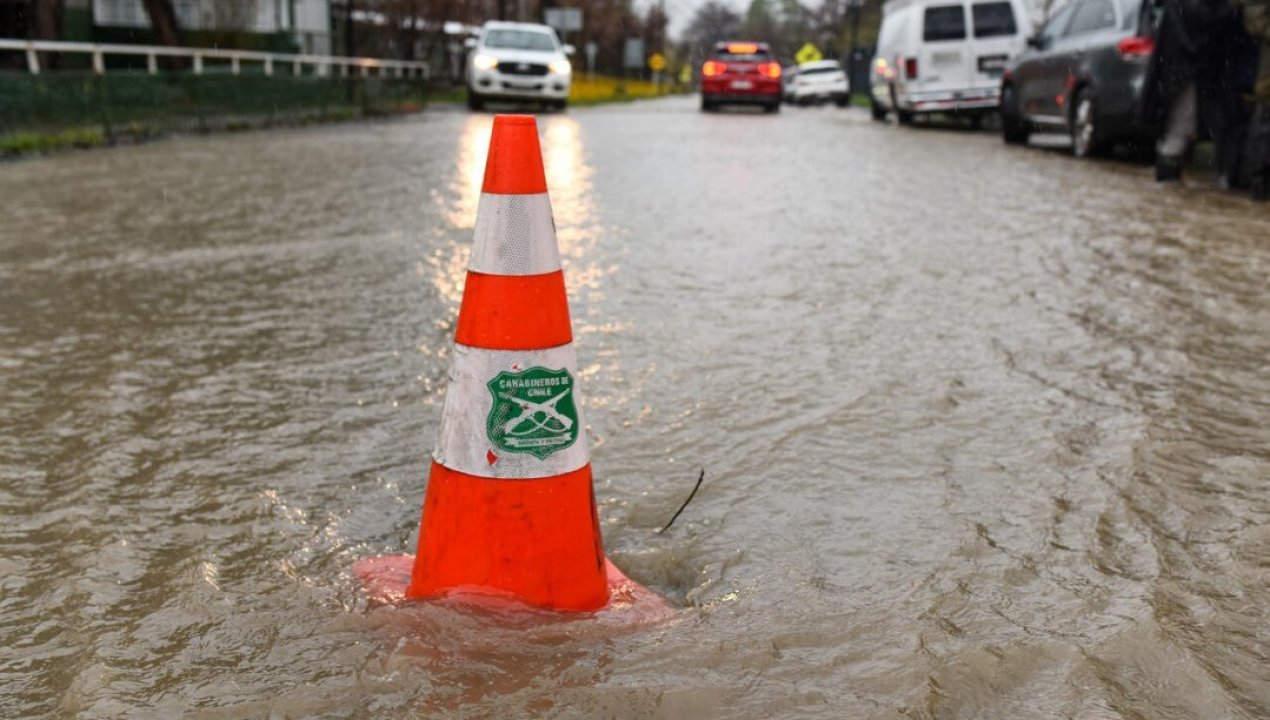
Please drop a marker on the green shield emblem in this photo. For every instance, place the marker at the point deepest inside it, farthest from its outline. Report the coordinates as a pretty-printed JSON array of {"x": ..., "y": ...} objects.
[{"x": 533, "y": 412}]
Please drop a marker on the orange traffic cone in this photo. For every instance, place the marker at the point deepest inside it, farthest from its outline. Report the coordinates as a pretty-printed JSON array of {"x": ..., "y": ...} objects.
[
  {"x": 509, "y": 515},
  {"x": 509, "y": 505}
]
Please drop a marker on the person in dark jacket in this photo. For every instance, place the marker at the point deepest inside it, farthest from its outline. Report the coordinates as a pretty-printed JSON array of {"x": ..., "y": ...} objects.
[
  {"x": 1256, "y": 16},
  {"x": 1196, "y": 82}
]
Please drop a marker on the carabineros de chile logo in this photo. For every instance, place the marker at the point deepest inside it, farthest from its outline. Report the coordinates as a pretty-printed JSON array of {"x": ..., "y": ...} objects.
[{"x": 533, "y": 412}]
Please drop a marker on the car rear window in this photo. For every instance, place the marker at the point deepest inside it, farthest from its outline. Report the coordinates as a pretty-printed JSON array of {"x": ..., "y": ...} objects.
[
  {"x": 519, "y": 40},
  {"x": 1092, "y": 16},
  {"x": 944, "y": 22},
  {"x": 815, "y": 70},
  {"x": 993, "y": 19}
]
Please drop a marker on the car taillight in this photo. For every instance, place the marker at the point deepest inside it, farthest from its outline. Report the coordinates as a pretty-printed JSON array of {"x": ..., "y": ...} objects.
[
  {"x": 712, "y": 68},
  {"x": 771, "y": 70},
  {"x": 1136, "y": 46},
  {"x": 910, "y": 68}
]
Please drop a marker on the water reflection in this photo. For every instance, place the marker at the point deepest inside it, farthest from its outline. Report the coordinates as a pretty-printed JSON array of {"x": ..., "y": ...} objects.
[{"x": 574, "y": 207}]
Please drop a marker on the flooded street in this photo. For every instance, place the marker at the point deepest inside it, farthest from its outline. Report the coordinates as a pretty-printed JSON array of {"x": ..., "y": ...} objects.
[{"x": 985, "y": 430}]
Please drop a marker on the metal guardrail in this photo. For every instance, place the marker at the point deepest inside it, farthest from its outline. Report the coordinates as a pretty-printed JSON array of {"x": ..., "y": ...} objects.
[{"x": 322, "y": 64}]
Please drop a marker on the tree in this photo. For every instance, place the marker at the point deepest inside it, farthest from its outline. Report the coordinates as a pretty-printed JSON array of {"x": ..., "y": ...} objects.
[
  {"x": 712, "y": 23},
  {"x": 48, "y": 26},
  {"x": 760, "y": 24},
  {"x": 167, "y": 31}
]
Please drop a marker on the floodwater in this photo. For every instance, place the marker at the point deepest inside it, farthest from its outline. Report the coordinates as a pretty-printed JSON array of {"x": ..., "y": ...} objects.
[{"x": 985, "y": 430}]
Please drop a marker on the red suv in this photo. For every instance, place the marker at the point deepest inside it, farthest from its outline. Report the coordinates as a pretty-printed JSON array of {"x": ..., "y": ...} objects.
[{"x": 741, "y": 73}]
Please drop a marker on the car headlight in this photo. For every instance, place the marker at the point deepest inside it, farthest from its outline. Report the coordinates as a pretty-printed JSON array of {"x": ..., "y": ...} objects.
[
  {"x": 560, "y": 67},
  {"x": 484, "y": 62}
]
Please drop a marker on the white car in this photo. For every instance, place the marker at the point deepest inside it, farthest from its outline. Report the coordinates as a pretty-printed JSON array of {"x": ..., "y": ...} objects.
[
  {"x": 818, "y": 82},
  {"x": 788, "y": 74},
  {"x": 944, "y": 56},
  {"x": 518, "y": 62}
]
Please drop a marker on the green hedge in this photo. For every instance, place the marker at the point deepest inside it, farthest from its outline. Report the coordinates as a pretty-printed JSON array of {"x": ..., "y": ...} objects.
[{"x": 52, "y": 102}]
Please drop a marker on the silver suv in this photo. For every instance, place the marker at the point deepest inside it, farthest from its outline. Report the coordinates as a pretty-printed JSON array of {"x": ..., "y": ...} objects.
[{"x": 518, "y": 62}]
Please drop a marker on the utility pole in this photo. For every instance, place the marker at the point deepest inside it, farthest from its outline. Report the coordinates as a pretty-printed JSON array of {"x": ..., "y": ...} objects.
[
  {"x": 854, "y": 7},
  {"x": 350, "y": 35}
]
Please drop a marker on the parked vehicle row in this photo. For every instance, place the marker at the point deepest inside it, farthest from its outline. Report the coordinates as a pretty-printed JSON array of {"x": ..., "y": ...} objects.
[{"x": 1081, "y": 74}]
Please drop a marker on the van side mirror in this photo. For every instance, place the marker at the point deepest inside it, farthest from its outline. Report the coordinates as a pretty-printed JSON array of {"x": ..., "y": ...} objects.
[
  {"x": 1036, "y": 42},
  {"x": 569, "y": 50}
]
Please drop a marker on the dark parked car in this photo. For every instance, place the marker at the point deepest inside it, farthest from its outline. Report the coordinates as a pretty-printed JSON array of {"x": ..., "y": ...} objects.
[{"x": 1083, "y": 73}]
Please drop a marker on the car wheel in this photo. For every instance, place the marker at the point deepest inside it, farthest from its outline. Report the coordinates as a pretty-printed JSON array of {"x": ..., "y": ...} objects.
[
  {"x": 842, "y": 101},
  {"x": 562, "y": 105},
  {"x": 1014, "y": 129},
  {"x": 1087, "y": 136},
  {"x": 707, "y": 105},
  {"x": 879, "y": 112},
  {"x": 905, "y": 117},
  {"x": 474, "y": 100},
  {"x": 772, "y": 107}
]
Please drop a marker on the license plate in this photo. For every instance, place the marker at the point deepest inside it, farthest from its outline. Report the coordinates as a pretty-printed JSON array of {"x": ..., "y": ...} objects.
[
  {"x": 742, "y": 84},
  {"x": 992, "y": 63}
]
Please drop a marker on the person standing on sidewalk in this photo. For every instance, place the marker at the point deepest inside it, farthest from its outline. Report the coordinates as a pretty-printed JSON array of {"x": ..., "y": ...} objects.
[
  {"x": 1193, "y": 85},
  {"x": 1256, "y": 17}
]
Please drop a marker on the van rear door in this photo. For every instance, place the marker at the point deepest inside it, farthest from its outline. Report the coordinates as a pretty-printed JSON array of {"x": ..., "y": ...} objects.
[
  {"x": 996, "y": 38},
  {"x": 943, "y": 62}
]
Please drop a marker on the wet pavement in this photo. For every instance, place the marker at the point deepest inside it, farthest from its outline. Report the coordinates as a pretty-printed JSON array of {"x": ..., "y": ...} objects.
[{"x": 985, "y": 429}]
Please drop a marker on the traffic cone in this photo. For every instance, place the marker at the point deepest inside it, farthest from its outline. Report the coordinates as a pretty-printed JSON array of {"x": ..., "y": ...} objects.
[
  {"x": 509, "y": 516},
  {"x": 509, "y": 508}
]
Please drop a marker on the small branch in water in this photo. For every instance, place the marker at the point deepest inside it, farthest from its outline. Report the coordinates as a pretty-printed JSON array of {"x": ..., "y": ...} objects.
[{"x": 691, "y": 495}]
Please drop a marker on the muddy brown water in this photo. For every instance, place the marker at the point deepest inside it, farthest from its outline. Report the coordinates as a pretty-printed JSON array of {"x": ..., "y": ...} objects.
[{"x": 986, "y": 430}]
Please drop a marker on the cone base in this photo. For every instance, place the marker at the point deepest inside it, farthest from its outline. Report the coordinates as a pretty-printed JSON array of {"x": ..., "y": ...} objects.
[
  {"x": 386, "y": 578},
  {"x": 538, "y": 540}
]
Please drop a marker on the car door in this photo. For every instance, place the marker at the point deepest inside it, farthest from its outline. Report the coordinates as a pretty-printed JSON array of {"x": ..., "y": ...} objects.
[
  {"x": 1039, "y": 80},
  {"x": 1094, "y": 27}
]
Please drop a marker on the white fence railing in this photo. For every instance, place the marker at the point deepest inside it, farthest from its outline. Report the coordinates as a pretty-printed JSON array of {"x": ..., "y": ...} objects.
[{"x": 321, "y": 64}]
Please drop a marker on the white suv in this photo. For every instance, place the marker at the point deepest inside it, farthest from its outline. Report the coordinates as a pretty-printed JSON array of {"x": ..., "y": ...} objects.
[
  {"x": 518, "y": 61},
  {"x": 819, "y": 82}
]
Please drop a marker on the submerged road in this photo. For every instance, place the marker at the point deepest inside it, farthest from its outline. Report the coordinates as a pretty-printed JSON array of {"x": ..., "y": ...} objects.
[{"x": 986, "y": 430}]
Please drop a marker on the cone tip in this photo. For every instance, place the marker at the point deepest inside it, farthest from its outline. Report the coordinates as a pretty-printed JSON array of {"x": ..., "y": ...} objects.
[
  {"x": 514, "y": 166},
  {"x": 512, "y": 120}
]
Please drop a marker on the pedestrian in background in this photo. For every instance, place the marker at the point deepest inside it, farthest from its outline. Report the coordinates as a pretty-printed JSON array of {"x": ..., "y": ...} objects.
[
  {"x": 1199, "y": 72},
  {"x": 1256, "y": 17}
]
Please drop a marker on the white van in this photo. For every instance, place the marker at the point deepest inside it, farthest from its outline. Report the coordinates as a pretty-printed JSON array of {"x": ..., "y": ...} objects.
[{"x": 944, "y": 56}]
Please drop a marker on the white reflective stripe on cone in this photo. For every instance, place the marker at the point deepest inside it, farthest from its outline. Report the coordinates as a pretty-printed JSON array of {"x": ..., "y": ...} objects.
[
  {"x": 466, "y": 444},
  {"x": 515, "y": 235}
]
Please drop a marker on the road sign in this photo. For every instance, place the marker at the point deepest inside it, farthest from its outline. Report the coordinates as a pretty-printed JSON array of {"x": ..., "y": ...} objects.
[
  {"x": 656, "y": 62},
  {"x": 563, "y": 19},
  {"x": 633, "y": 53},
  {"x": 808, "y": 53}
]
